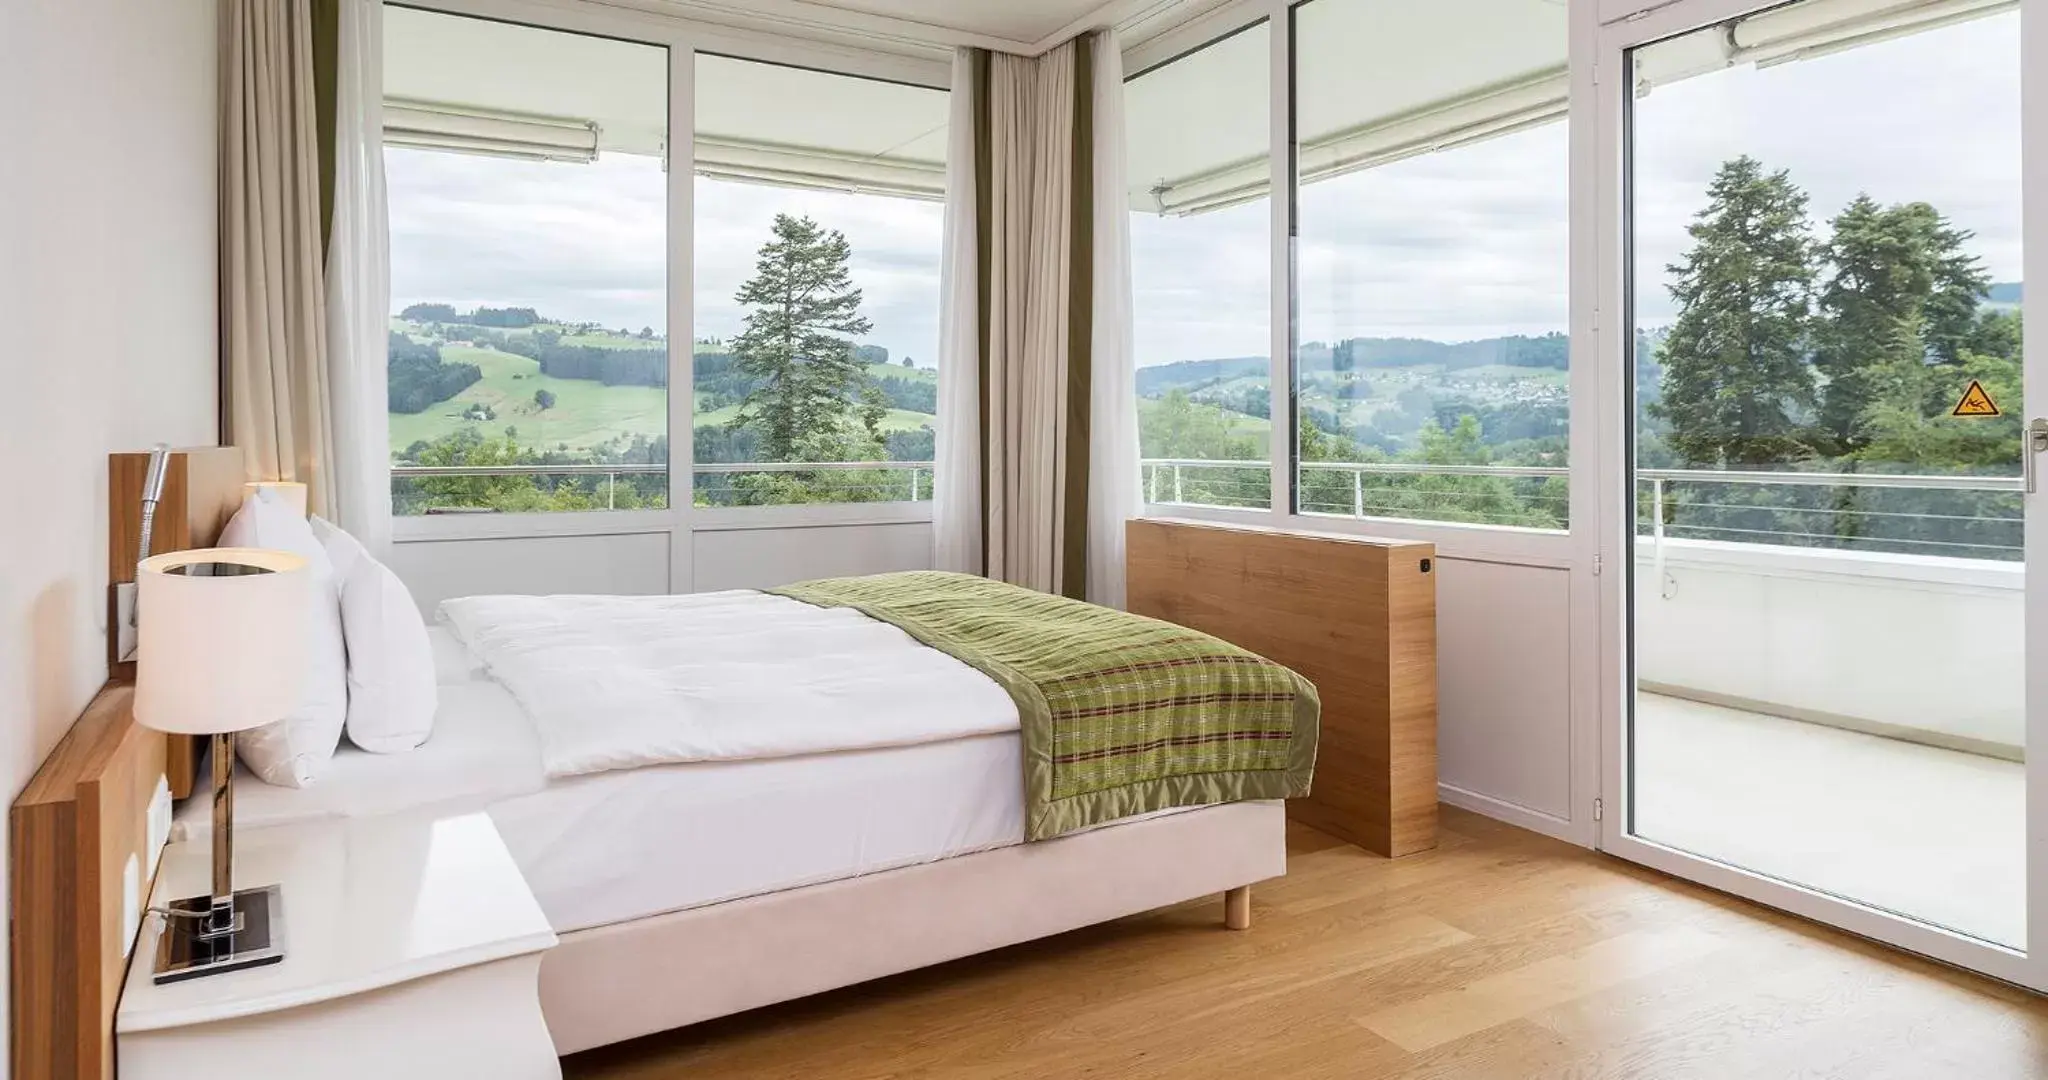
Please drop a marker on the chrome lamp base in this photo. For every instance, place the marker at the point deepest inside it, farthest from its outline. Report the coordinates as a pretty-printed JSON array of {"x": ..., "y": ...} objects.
[
  {"x": 202, "y": 939},
  {"x": 230, "y": 929}
]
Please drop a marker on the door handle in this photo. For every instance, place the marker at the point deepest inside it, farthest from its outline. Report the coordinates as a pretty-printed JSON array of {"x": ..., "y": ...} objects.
[{"x": 2033, "y": 441}]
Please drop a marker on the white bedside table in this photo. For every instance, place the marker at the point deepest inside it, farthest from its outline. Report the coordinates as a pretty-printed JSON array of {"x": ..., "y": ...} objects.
[{"x": 412, "y": 949}]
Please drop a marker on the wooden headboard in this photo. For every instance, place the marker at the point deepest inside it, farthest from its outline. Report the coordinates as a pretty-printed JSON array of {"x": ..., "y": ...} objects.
[
  {"x": 202, "y": 489},
  {"x": 81, "y": 859},
  {"x": 82, "y": 848}
]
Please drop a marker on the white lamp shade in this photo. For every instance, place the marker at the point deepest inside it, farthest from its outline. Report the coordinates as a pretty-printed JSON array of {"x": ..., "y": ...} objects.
[{"x": 220, "y": 653}]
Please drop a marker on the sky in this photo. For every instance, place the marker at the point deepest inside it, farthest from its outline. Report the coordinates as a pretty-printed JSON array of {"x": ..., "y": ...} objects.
[
  {"x": 1462, "y": 244},
  {"x": 1473, "y": 242},
  {"x": 586, "y": 243}
]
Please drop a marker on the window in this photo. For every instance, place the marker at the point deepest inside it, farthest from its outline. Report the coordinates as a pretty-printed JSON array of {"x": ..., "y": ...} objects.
[
  {"x": 1432, "y": 341},
  {"x": 1870, "y": 190},
  {"x": 1828, "y": 606},
  {"x": 819, "y": 214},
  {"x": 1201, "y": 272},
  {"x": 528, "y": 202}
]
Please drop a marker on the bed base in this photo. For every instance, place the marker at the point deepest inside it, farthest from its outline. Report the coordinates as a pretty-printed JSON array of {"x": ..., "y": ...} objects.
[{"x": 619, "y": 982}]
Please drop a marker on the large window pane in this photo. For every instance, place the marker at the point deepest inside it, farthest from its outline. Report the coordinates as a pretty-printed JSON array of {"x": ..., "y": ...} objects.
[
  {"x": 1828, "y": 596},
  {"x": 1432, "y": 349},
  {"x": 528, "y": 203},
  {"x": 819, "y": 212},
  {"x": 1201, "y": 272}
]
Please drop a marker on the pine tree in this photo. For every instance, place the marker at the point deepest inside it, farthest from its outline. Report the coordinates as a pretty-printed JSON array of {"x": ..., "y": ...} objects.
[
  {"x": 803, "y": 313},
  {"x": 1900, "y": 293},
  {"x": 1735, "y": 373}
]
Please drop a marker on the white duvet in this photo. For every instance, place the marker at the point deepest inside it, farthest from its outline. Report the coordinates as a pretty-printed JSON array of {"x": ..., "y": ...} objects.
[{"x": 619, "y": 682}]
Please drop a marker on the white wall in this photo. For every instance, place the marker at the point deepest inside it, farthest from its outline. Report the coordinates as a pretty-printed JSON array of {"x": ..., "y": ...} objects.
[
  {"x": 1930, "y": 647},
  {"x": 721, "y": 557},
  {"x": 107, "y": 290},
  {"x": 1504, "y": 695},
  {"x": 763, "y": 558},
  {"x": 629, "y": 564}
]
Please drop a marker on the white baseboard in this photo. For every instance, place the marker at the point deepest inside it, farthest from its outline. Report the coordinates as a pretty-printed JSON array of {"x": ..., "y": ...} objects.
[{"x": 1514, "y": 814}]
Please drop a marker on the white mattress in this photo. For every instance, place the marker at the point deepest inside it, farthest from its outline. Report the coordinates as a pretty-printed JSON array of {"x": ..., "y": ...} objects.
[{"x": 622, "y": 845}]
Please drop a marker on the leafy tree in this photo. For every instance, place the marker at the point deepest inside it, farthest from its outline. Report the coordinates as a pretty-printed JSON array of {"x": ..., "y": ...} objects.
[
  {"x": 803, "y": 313},
  {"x": 1736, "y": 381},
  {"x": 874, "y": 408},
  {"x": 545, "y": 399},
  {"x": 909, "y": 363},
  {"x": 1900, "y": 291},
  {"x": 416, "y": 378},
  {"x": 506, "y": 317},
  {"x": 430, "y": 313}
]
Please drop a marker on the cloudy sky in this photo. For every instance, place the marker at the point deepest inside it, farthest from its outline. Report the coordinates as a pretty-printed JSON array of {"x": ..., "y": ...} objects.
[
  {"x": 586, "y": 242},
  {"x": 1463, "y": 244}
]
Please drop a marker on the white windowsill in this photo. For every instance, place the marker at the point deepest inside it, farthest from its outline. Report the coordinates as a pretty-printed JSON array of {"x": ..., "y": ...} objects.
[{"x": 441, "y": 528}]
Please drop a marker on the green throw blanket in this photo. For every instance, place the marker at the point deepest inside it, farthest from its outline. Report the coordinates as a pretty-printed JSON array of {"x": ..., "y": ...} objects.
[{"x": 1121, "y": 714}]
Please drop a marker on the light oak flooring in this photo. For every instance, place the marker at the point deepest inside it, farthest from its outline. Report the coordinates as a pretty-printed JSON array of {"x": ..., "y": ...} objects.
[{"x": 1501, "y": 954}]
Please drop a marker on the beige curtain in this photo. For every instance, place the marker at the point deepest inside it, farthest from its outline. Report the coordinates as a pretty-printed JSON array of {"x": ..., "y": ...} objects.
[
  {"x": 1029, "y": 357},
  {"x": 273, "y": 297}
]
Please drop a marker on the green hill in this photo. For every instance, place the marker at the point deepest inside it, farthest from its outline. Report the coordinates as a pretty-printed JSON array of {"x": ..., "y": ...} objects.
[{"x": 586, "y": 412}]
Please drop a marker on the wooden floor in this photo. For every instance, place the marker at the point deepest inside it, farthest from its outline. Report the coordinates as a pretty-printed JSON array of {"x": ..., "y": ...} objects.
[{"x": 1502, "y": 954}]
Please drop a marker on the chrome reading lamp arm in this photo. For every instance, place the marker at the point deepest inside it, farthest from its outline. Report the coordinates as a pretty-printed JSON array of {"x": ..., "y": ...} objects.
[{"x": 152, "y": 493}]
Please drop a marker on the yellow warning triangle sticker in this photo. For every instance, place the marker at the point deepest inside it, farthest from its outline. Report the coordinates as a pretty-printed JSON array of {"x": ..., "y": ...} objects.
[{"x": 1976, "y": 402}]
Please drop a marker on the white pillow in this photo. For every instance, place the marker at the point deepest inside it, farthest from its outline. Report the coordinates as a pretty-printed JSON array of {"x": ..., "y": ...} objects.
[
  {"x": 292, "y": 751},
  {"x": 393, "y": 690}
]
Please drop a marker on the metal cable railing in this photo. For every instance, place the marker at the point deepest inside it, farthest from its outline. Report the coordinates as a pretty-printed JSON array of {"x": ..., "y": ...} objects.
[
  {"x": 1933, "y": 514},
  {"x": 835, "y": 481}
]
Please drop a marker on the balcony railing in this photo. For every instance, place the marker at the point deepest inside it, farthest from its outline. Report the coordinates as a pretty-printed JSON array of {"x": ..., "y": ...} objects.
[
  {"x": 1959, "y": 516},
  {"x": 840, "y": 481},
  {"x": 1962, "y": 516}
]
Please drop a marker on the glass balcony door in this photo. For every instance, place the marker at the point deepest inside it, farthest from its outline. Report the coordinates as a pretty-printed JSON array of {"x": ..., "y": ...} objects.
[{"x": 1821, "y": 675}]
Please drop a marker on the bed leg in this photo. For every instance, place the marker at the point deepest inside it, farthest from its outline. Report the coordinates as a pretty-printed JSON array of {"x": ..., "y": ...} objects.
[{"x": 1237, "y": 908}]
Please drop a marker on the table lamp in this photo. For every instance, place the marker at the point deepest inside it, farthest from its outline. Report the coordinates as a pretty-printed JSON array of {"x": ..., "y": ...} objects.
[{"x": 222, "y": 649}]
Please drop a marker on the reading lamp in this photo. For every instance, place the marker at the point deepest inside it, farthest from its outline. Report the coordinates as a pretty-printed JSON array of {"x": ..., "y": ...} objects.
[{"x": 222, "y": 649}]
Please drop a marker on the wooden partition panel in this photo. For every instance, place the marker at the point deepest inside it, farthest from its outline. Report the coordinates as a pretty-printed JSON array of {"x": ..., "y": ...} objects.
[{"x": 1357, "y": 617}]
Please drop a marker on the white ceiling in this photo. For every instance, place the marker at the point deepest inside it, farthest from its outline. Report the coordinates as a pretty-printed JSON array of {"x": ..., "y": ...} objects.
[{"x": 1023, "y": 21}]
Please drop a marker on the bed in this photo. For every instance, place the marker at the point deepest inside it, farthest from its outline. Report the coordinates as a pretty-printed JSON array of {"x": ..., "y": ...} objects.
[
  {"x": 693, "y": 890},
  {"x": 689, "y": 890}
]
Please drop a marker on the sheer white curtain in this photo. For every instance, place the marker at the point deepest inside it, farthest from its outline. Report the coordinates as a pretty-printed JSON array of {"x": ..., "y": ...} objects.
[
  {"x": 956, "y": 490},
  {"x": 359, "y": 282},
  {"x": 1113, "y": 408}
]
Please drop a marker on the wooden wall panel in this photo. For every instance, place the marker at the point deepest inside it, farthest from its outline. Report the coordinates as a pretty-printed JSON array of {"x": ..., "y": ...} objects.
[
  {"x": 1357, "y": 617},
  {"x": 202, "y": 490}
]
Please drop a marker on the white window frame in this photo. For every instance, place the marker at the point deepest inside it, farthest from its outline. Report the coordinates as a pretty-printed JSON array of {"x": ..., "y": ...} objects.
[
  {"x": 1553, "y": 548},
  {"x": 1604, "y": 225},
  {"x": 684, "y": 39}
]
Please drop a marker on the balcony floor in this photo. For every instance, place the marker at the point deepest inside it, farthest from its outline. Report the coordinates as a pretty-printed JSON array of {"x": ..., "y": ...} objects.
[{"x": 1935, "y": 834}]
